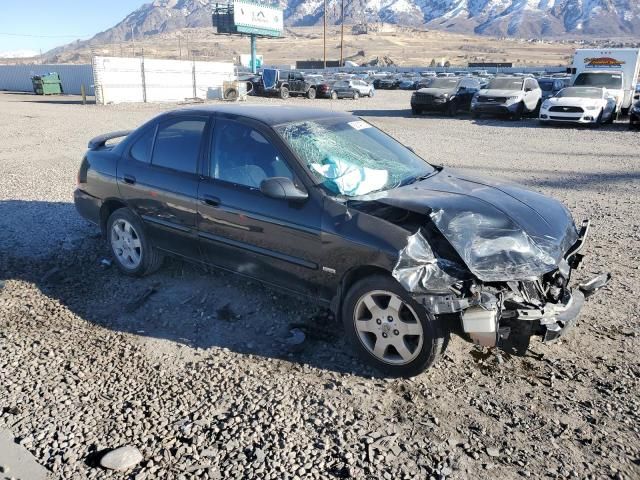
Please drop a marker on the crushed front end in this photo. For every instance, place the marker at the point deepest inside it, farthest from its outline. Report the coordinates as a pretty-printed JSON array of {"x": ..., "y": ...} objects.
[{"x": 502, "y": 314}]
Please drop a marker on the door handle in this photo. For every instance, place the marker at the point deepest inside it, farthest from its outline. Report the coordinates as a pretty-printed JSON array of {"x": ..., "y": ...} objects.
[
  {"x": 211, "y": 200},
  {"x": 130, "y": 179}
]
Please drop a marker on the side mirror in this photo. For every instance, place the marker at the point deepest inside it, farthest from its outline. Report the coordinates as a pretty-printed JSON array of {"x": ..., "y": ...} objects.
[{"x": 282, "y": 188}]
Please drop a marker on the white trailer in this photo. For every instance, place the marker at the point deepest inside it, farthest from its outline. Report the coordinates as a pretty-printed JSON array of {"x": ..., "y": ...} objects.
[{"x": 615, "y": 69}]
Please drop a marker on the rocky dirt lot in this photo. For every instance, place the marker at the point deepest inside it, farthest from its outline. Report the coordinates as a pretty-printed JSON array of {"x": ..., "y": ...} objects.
[{"x": 195, "y": 368}]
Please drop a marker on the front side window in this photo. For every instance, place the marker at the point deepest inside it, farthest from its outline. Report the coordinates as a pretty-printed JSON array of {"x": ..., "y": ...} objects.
[
  {"x": 243, "y": 156},
  {"x": 351, "y": 157},
  {"x": 178, "y": 145}
]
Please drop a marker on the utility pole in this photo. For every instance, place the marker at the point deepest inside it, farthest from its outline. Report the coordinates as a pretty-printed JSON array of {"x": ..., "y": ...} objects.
[
  {"x": 133, "y": 43},
  {"x": 342, "y": 36},
  {"x": 324, "y": 36}
]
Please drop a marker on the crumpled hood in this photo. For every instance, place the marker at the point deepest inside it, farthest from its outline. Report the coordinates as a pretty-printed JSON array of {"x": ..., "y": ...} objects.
[{"x": 501, "y": 231}]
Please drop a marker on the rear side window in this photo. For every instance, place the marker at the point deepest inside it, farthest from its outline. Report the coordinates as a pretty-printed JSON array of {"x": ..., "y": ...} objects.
[
  {"x": 178, "y": 144},
  {"x": 141, "y": 149}
]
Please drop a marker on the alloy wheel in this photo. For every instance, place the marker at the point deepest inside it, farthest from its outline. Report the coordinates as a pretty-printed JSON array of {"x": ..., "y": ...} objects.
[
  {"x": 388, "y": 327},
  {"x": 126, "y": 244}
]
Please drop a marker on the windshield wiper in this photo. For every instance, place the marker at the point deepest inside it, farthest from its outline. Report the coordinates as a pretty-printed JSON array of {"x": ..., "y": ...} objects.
[{"x": 419, "y": 178}]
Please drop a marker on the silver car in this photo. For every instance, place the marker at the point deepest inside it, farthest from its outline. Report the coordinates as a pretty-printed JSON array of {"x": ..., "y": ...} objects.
[{"x": 364, "y": 89}]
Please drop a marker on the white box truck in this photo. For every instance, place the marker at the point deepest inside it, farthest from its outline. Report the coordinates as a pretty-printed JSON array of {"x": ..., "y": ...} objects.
[{"x": 615, "y": 69}]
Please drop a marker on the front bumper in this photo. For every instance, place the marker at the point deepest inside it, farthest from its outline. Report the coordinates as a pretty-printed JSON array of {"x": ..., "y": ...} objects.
[
  {"x": 494, "y": 108},
  {"x": 433, "y": 105},
  {"x": 587, "y": 117}
]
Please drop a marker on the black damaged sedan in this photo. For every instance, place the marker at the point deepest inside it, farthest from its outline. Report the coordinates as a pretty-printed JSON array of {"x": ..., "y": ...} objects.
[{"x": 323, "y": 204}]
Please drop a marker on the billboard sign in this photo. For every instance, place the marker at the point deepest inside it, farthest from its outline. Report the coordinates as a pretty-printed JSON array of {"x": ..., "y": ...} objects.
[{"x": 258, "y": 19}]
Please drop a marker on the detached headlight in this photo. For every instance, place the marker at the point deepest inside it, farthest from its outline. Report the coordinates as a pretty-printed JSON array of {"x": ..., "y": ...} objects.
[{"x": 591, "y": 107}]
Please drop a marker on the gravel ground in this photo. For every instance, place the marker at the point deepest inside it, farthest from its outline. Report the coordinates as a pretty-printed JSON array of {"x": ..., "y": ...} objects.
[{"x": 193, "y": 368}]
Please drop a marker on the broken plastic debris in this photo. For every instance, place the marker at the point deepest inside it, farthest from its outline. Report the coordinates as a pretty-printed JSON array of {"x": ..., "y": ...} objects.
[
  {"x": 295, "y": 342},
  {"x": 105, "y": 263}
]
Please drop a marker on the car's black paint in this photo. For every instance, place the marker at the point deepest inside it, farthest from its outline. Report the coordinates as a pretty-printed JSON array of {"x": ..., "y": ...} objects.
[{"x": 306, "y": 246}]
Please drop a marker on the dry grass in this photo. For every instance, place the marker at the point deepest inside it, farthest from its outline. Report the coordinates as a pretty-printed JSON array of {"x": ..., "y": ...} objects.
[{"x": 404, "y": 46}]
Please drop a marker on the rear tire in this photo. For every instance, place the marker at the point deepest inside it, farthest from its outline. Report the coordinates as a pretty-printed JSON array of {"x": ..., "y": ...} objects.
[
  {"x": 371, "y": 93},
  {"x": 334, "y": 95},
  {"x": 379, "y": 314},
  {"x": 356, "y": 95},
  {"x": 130, "y": 246}
]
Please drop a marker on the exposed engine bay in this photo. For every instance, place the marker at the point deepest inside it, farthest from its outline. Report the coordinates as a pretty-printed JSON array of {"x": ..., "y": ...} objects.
[{"x": 497, "y": 258}]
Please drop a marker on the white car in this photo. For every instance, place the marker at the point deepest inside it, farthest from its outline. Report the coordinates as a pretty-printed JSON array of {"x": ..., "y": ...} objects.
[
  {"x": 364, "y": 89},
  {"x": 512, "y": 96},
  {"x": 584, "y": 105}
]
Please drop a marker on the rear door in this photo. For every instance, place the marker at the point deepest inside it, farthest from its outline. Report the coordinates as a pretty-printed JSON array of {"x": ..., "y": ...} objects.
[
  {"x": 158, "y": 178},
  {"x": 532, "y": 93},
  {"x": 244, "y": 231}
]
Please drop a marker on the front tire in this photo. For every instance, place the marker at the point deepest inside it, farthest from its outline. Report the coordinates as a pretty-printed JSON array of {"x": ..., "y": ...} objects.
[
  {"x": 517, "y": 115},
  {"x": 311, "y": 94},
  {"x": 356, "y": 95},
  {"x": 130, "y": 247},
  {"x": 284, "y": 93},
  {"x": 389, "y": 329},
  {"x": 334, "y": 95}
]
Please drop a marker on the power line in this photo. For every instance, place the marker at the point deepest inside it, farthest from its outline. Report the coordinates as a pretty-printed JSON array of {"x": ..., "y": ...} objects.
[{"x": 41, "y": 36}]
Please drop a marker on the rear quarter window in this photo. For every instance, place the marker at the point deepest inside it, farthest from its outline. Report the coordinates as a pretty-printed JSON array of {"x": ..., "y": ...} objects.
[{"x": 141, "y": 148}]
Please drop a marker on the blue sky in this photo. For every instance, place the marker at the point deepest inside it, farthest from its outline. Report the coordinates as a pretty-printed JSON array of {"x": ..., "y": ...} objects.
[{"x": 56, "y": 22}]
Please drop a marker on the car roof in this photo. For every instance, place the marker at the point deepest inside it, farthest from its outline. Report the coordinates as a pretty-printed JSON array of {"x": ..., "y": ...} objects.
[{"x": 268, "y": 114}]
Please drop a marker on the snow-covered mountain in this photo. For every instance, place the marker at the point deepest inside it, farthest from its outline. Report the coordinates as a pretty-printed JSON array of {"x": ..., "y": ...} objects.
[
  {"x": 496, "y": 17},
  {"x": 524, "y": 18}
]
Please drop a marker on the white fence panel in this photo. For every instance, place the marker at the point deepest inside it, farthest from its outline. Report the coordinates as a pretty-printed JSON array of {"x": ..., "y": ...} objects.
[
  {"x": 212, "y": 75},
  {"x": 17, "y": 78},
  {"x": 150, "y": 80},
  {"x": 118, "y": 80},
  {"x": 168, "y": 80}
]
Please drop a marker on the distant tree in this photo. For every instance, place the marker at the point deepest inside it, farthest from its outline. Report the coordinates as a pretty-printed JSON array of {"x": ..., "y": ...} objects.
[
  {"x": 447, "y": 64},
  {"x": 433, "y": 62}
]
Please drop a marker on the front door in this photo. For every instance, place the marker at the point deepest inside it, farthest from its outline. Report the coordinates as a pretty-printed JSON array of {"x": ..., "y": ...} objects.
[{"x": 242, "y": 230}]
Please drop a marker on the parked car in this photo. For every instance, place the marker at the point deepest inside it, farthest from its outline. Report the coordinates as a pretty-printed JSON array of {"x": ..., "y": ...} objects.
[
  {"x": 551, "y": 86},
  {"x": 634, "y": 116},
  {"x": 343, "y": 89},
  {"x": 408, "y": 85},
  {"x": 513, "y": 96},
  {"x": 583, "y": 105},
  {"x": 364, "y": 89},
  {"x": 324, "y": 205},
  {"x": 286, "y": 83},
  {"x": 448, "y": 94},
  {"x": 323, "y": 90},
  {"x": 386, "y": 83}
]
